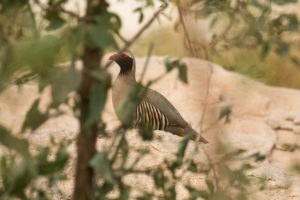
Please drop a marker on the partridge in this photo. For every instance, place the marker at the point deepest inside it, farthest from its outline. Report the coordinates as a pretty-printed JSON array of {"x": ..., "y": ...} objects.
[{"x": 153, "y": 108}]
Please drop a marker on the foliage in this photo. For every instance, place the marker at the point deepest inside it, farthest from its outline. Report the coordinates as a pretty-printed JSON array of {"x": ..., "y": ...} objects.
[
  {"x": 31, "y": 47},
  {"x": 266, "y": 30}
]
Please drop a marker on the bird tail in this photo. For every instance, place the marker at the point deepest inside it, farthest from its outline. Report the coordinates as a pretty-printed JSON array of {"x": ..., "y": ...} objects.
[{"x": 194, "y": 134}]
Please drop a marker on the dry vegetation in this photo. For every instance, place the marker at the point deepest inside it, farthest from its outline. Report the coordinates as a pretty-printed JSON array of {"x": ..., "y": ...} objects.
[{"x": 273, "y": 70}]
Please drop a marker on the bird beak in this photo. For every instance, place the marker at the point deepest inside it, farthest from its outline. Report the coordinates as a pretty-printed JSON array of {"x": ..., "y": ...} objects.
[{"x": 113, "y": 57}]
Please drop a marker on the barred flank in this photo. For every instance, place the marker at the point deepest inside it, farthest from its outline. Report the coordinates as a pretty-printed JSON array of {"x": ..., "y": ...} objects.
[{"x": 148, "y": 113}]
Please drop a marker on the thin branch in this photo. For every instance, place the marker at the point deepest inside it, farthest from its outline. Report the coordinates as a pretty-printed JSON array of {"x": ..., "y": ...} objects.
[
  {"x": 140, "y": 32},
  {"x": 185, "y": 30},
  {"x": 61, "y": 10},
  {"x": 33, "y": 21},
  {"x": 146, "y": 62}
]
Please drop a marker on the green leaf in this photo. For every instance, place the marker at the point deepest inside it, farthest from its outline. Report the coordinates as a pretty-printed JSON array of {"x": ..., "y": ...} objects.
[
  {"x": 12, "y": 142},
  {"x": 296, "y": 61},
  {"x": 182, "y": 148},
  {"x": 98, "y": 96},
  {"x": 265, "y": 50},
  {"x": 225, "y": 112},
  {"x": 101, "y": 33},
  {"x": 159, "y": 179},
  {"x": 3, "y": 165},
  {"x": 183, "y": 73},
  {"x": 282, "y": 2},
  {"x": 170, "y": 64},
  {"x": 46, "y": 167},
  {"x": 125, "y": 150},
  {"x": 18, "y": 178},
  {"x": 195, "y": 194},
  {"x": 293, "y": 23},
  {"x": 34, "y": 118},
  {"x": 64, "y": 84},
  {"x": 36, "y": 55},
  {"x": 213, "y": 22},
  {"x": 55, "y": 21},
  {"x": 296, "y": 167},
  {"x": 103, "y": 190},
  {"x": 146, "y": 131},
  {"x": 210, "y": 185},
  {"x": 102, "y": 165},
  {"x": 258, "y": 157}
]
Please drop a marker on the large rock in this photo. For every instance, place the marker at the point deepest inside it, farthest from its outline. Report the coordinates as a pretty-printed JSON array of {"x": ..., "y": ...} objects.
[{"x": 264, "y": 119}]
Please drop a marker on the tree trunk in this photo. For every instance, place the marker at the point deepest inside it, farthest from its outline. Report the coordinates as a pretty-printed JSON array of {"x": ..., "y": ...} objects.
[{"x": 87, "y": 137}]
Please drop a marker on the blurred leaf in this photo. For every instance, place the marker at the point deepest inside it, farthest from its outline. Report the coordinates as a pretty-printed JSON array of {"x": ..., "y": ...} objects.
[
  {"x": 195, "y": 194},
  {"x": 55, "y": 21},
  {"x": 170, "y": 64},
  {"x": 296, "y": 167},
  {"x": 210, "y": 185},
  {"x": 73, "y": 37},
  {"x": 258, "y": 157},
  {"x": 101, "y": 37},
  {"x": 293, "y": 23},
  {"x": 213, "y": 22},
  {"x": 225, "y": 112},
  {"x": 109, "y": 20},
  {"x": 101, "y": 33},
  {"x": 46, "y": 167},
  {"x": 103, "y": 190},
  {"x": 282, "y": 2},
  {"x": 98, "y": 96},
  {"x": 102, "y": 165},
  {"x": 6, "y": 5},
  {"x": 181, "y": 149},
  {"x": 296, "y": 61},
  {"x": 34, "y": 118},
  {"x": 18, "y": 177},
  {"x": 12, "y": 142},
  {"x": 64, "y": 84},
  {"x": 159, "y": 179},
  {"x": 240, "y": 176},
  {"x": 125, "y": 150},
  {"x": 193, "y": 167},
  {"x": 124, "y": 192},
  {"x": 146, "y": 131},
  {"x": 36, "y": 54},
  {"x": 141, "y": 14},
  {"x": 3, "y": 165},
  {"x": 265, "y": 50},
  {"x": 289, "y": 147},
  {"x": 183, "y": 73}
]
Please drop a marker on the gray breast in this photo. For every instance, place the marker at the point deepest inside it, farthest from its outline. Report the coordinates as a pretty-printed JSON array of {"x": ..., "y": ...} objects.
[{"x": 146, "y": 113}]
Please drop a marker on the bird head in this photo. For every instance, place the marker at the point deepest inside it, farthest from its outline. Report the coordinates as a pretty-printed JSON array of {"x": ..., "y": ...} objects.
[{"x": 125, "y": 60}]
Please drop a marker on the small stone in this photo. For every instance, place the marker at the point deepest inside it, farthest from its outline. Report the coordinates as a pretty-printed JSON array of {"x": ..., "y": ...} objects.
[
  {"x": 297, "y": 130},
  {"x": 291, "y": 116},
  {"x": 273, "y": 123},
  {"x": 296, "y": 120}
]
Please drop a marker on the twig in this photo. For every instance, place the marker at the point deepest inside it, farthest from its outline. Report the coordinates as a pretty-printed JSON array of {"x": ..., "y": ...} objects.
[
  {"x": 185, "y": 30},
  {"x": 146, "y": 62},
  {"x": 60, "y": 9},
  {"x": 33, "y": 21},
  {"x": 140, "y": 32}
]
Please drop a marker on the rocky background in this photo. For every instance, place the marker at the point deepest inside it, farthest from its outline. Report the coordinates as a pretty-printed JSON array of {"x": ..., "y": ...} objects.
[{"x": 264, "y": 119}]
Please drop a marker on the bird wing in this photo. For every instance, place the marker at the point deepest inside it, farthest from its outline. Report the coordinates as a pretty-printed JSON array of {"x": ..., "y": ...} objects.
[{"x": 165, "y": 107}]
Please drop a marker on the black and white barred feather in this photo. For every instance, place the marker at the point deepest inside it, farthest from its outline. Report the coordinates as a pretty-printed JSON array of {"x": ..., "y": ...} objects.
[{"x": 146, "y": 113}]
